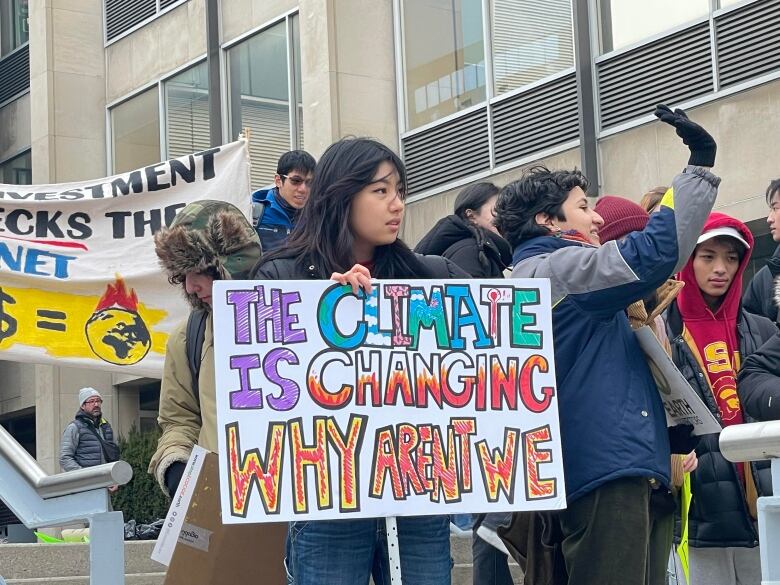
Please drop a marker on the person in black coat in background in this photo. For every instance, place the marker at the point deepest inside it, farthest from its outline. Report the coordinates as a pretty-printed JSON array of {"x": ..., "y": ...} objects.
[
  {"x": 758, "y": 384},
  {"x": 468, "y": 237},
  {"x": 758, "y": 298}
]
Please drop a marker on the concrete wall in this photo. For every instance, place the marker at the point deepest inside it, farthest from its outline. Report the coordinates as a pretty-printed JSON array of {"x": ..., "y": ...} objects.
[
  {"x": 746, "y": 127},
  {"x": 165, "y": 44},
  {"x": 67, "y": 90},
  {"x": 348, "y": 71},
  {"x": 15, "y": 125}
]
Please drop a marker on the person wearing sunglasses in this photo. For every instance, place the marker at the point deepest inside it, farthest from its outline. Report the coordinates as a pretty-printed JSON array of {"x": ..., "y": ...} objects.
[
  {"x": 276, "y": 209},
  {"x": 89, "y": 439}
]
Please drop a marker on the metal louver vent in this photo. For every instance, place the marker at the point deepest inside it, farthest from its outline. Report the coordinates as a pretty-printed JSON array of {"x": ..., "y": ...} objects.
[
  {"x": 15, "y": 73},
  {"x": 455, "y": 149},
  {"x": 670, "y": 70},
  {"x": 535, "y": 120},
  {"x": 165, "y": 3},
  {"x": 122, "y": 15},
  {"x": 747, "y": 42}
]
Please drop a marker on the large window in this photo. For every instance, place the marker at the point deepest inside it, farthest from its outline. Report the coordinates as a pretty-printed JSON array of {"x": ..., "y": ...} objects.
[
  {"x": 444, "y": 58},
  {"x": 624, "y": 22},
  {"x": 135, "y": 131},
  {"x": 14, "y": 25},
  {"x": 531, "y": 40},
  {"x": 187, "y": 112},
  {"x": 17, "y": 171},
  {"x": 265, "y": 95}
]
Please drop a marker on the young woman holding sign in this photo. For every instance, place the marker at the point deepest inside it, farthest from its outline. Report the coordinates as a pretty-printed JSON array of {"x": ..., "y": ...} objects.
[{"x": 348, "y": 232}]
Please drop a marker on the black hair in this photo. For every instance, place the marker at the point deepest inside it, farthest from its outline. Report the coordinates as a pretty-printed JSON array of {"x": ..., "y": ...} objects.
[
  {"x": 774, "y": 187},
  {"x": 322, "y": 237},
  {"x": 295, "y": 160},
  {"x": 539, "y": 190},
  {"x": 474, "y": 197}
]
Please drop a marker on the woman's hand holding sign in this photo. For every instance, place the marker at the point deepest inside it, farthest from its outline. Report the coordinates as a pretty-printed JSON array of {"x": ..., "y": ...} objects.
[{"x": 358, "y": 276}]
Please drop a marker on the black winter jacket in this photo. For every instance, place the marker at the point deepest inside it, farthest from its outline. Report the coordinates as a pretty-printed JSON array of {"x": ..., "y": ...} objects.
[
  {"x": 758, "y": 384},
  {"x": 759, "y": 296},
  {"x": 455, "y": 239},
  {"x": 719, "y": 516},
  {"x": 291, "y": 269}
]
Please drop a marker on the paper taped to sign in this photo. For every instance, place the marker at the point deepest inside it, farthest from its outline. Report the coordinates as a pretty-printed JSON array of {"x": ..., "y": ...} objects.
[{"x": 683, "y": 406}]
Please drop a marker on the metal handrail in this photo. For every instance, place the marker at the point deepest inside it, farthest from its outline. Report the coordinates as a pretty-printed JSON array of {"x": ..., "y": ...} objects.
[
  {"x": 751, "y": 442},
  {"x": 60, "y": 484}
]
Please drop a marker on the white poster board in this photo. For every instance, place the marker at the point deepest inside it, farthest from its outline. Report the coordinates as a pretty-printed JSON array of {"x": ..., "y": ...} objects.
[
  {"x": 681, "y": 403},
  {"x": 421, "y": 398}
]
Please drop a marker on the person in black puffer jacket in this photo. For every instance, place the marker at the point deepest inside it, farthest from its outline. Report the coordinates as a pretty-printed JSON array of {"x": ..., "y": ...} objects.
[
  {"x": 348, "y": 232},
  {"x": 468, "y": 237},
  {"x": 758, "y": 297},
  {"x": 759, "y": 378},
  {"x": 710, "y": 334}
]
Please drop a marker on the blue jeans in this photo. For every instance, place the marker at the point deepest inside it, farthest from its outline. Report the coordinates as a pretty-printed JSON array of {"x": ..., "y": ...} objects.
[{"x": 348, "y": 552}]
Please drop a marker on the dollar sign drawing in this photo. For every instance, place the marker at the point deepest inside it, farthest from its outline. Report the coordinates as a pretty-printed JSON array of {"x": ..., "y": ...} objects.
[{"x": 7, "y": 323}]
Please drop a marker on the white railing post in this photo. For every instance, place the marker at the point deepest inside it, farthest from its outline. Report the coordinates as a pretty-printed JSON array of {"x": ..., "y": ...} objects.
[{"x": 757, "y": 442}]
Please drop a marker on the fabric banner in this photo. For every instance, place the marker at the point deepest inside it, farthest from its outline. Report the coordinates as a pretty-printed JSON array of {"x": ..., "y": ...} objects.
[
  {"x": 420, "y": 398},
  {"x": 80, "y": 284}
]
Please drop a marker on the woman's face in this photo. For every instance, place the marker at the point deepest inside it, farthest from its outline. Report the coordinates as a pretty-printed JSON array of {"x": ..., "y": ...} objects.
[
  {"x": 376, "y": 212},
  {"x": 483, "y": 217}
]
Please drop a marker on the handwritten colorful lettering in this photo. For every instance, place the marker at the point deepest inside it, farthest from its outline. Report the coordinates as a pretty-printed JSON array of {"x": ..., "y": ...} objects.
[{"x": 419, "y": 398}]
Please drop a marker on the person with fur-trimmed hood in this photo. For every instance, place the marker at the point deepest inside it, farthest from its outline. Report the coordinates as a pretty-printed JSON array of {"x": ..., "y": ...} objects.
[
  {"x": 711, "y": 334},
  {"x": 207, "y": 241}
]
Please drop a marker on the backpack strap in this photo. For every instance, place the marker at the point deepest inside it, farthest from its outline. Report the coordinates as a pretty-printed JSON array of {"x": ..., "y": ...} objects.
[{"x": 196, "y": 334}]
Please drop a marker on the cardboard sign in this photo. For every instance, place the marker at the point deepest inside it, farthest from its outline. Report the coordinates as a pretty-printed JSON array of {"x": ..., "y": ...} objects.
[
  {"x": 683, "y": 406},
  {"x": 80, "y": 283},
  {"x": 421, "y": 398},
  {"x": 209, "y": 553}
]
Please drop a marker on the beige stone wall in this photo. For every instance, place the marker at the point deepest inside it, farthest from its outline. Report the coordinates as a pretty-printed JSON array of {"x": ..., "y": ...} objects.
[
  {"x": 746, "y": 127},
  {"x": 161, "y": 46},
  {"x": 67, "y": 90},
  {"x": 15, "y": 124},
  {"x": 347, "y": 71},
  {"x": 423, "y": 214},
  {"x": 17, "y": 389},
  {"x": 240, "y": 16}
]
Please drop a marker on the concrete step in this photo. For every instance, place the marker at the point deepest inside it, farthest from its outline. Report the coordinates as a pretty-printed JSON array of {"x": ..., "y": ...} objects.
[
  {"x": 134, "y": 579},
  {"x": 45, "y": 561}
]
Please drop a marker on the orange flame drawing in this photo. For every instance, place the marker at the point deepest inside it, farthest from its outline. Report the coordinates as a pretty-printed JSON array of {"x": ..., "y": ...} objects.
[{"x": 116, "y": 294}]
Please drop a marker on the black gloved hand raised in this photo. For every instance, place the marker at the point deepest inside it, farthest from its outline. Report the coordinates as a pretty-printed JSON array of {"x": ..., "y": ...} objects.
[{"x": 696, "y": 138}]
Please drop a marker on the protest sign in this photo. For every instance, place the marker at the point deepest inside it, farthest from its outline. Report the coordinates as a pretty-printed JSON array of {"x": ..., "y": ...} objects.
[
  {"x": 80, "y": 283},
  {"x": 683, "y": 406},
  {"x": 420, "y": 398}
]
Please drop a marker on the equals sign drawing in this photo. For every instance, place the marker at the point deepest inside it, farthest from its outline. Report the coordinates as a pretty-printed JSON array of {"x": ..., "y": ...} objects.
[{"x": 49, "y": 316}]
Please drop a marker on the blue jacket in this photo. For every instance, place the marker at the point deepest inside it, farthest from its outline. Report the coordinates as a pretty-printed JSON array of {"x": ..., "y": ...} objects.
[
  {"x": 275, "y": 222},
  {"x": 612, "y": 420}
]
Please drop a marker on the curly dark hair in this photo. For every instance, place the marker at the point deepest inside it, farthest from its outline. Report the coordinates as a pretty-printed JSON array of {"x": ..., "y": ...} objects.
[{"x": 539, "y": 190}]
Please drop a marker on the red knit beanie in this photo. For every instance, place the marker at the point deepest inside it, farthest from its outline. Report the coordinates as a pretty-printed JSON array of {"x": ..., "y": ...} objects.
[{"x": 621, "y": 217}]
